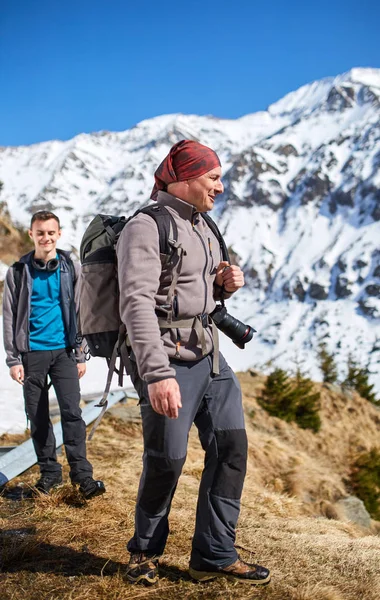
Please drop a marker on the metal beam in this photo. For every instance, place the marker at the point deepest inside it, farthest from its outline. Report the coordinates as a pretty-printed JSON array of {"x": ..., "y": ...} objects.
[{"x": 21, "y": 458}]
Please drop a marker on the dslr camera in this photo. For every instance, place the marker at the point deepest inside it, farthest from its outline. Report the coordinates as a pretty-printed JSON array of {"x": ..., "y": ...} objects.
[{"x": 238, "y": 332}]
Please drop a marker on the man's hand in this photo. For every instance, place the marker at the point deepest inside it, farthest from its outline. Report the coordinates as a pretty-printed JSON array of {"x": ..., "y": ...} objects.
[
  {"x": 165, "y": 397},
  {"x": 81, "y": 369},
  {"x": 229, "y": 276},
  {"x": 17, "y": 373}
]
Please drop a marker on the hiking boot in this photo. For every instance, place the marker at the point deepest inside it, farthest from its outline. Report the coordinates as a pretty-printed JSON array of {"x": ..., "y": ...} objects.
[
  {"x": 238, "y": 571},
  {"x": 48, "y": 482},
  {"x": 90, "y": 488},
  {"x": 142, "y": 568}
]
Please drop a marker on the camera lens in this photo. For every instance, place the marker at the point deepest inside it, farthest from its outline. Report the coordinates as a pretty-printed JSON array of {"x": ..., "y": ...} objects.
[{"x": 238, "y": 332}]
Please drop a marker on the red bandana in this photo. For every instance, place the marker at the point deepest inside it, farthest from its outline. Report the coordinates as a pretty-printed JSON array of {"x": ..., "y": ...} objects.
[{"x": 186, "y": 160}]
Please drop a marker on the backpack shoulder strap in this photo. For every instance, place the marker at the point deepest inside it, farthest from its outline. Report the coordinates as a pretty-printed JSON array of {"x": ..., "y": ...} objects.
[
  {"x": 166, "y": 225},
  {"x": 214, "y": 228}
]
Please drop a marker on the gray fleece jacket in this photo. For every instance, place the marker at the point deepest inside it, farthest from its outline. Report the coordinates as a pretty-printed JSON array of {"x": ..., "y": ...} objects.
[
  {"x": 16, "y": 308},
  {"x": 144, "y": 283}
]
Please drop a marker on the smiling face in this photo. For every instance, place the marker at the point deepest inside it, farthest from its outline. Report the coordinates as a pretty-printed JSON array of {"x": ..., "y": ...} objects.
[
  {"x": 45, "y": 235},
  {"x": 202, "y": 191}
]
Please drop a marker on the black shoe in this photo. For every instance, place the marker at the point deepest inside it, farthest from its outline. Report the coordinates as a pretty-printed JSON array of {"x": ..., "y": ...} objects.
[
  {"x": 90, "y": 488},
  {"x": 238, "y": 571},
  {"x": 48, "y": 482},
  {"x": 142, "y": 568}
]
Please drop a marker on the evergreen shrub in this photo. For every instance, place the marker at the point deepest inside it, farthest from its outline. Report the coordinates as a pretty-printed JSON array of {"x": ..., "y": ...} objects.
[
  {"x": 358, "y": 379},
  {"x": 365, "y": 480},
  {"x": 291, "y": 399},
  {"x": 327, "y": 364}
]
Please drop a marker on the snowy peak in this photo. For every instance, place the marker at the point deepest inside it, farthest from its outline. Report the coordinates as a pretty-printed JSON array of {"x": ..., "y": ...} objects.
[
  {"x": 331, "y": 93},
  {"x": 364, "y": 76}
]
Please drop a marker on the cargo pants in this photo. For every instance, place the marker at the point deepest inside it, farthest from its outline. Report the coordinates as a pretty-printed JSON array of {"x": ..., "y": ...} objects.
[{"x": 214, "y": 404}]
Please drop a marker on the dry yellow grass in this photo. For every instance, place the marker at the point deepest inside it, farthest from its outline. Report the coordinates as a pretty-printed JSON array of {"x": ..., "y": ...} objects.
[{"x": 68, "y": 549}]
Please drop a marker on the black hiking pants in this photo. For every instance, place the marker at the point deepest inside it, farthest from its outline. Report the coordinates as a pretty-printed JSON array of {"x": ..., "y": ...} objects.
[
  {"x": 61, "y": 367},
  {"x": 214, "y": 404}
]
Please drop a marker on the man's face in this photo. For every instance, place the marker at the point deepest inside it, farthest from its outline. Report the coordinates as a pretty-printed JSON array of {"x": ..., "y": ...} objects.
[
  {"x": 45, "y": 235},
  {"x": 203, "y": 190}
]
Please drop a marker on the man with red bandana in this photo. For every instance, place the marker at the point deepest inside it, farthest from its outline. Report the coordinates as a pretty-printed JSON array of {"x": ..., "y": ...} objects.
[{"x": 179, "y": 373}]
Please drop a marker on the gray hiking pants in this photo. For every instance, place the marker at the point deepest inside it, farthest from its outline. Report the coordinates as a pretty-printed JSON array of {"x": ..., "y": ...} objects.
[{"x": 214, "y": 404}]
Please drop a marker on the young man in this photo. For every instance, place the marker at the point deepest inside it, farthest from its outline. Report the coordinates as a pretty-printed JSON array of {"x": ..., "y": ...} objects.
[
  {"x": 166, "y": 309},
  {"x": 40, "y": 327}
]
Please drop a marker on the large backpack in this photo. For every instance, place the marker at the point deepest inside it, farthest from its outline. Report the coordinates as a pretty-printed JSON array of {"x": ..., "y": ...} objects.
[
  {"x": 99, "y": 320},
  {"x": 99, "y": 301}
]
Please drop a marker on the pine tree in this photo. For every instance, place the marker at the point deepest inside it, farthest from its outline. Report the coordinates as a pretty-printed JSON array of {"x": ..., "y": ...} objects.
[
  {"x": 365, "y": 479},
  {"x": 307, "y": 403},
  {"x": 291, "y": 400},
  {"x": 358, "y": 379},
  {"x": 277, "y": 396},
  {"x": 327, "y": 364}
]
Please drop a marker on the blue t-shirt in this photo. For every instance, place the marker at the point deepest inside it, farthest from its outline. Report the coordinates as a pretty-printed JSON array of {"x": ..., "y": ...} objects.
[{"x": 47, "y": 329}]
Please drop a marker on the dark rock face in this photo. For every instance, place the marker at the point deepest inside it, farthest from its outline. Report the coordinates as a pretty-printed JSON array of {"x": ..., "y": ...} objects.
[
  {"x": 340, "y": 98},
  {"x": 287, "y": 291},
  {"x": 317, "y": 291},
  {"x": 297, "y": 180},
  {"x": 367, "y": 309},
  {"x": 252, "y": 163},
  {"x": 315, "y": 188},
  {"x": 40, "y": 203},
  {"x": 332, "y": 161},
  {"x": 376, "y": 272},
  {"x": 341, "y": 287},
  {"x": 287, "y": 150},
  {"x": 360, "y": 264},
  {"x": 342, "y": 198},
  {"x": 373, "y": 290},
  {"x": 366, "y": 96},
  {"x": 299, "y": 291},
  {"x": 310, "y": 187},
  {"x": 257, "y": 193},
  {"x": 376, "y": 208},
  {"x": 261, "y": 197},
  {"x": 342, "y": 265},
  {"x": 251, "y": 273}
]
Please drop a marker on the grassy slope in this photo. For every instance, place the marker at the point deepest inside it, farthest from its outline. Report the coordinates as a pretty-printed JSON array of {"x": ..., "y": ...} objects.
[{"x": 75, "y": 550}]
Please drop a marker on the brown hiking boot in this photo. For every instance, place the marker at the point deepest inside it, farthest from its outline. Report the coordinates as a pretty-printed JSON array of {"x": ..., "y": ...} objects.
[
  {"x": 142, "y": 568},
  {"x": 238, "y": 571}
]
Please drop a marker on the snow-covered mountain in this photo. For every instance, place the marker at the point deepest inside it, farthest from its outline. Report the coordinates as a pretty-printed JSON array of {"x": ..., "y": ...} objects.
[{"x": 301, "y": 208}]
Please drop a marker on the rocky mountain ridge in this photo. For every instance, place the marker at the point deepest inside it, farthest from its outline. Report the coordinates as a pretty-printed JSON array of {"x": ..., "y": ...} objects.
[{"x": 301, "y": 208}]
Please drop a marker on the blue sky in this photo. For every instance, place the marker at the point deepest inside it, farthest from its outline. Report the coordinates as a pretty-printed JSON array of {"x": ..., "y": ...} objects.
[{"x": 72, "y": 66}]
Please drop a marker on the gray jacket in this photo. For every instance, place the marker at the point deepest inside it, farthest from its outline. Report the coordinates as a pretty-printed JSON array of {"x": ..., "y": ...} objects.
[
  {"x": 16, "y": 308},
  {"x": 144, "y": 283}
]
